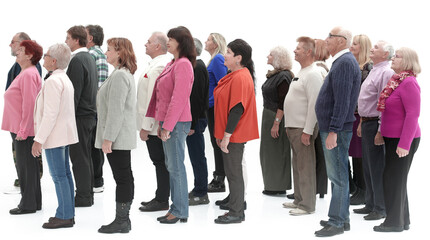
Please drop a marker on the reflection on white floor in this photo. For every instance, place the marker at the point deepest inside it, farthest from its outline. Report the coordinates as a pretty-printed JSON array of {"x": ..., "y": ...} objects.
[{"x": 265, "y": 216}]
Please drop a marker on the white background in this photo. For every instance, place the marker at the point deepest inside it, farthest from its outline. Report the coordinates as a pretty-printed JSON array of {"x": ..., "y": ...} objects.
[{"x": 263, "y": 24}]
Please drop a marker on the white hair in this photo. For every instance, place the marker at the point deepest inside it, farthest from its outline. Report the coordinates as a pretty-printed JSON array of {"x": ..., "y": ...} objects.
[
  {"x": 387, "y": 47},
  {"x": 61, "y": 52}
]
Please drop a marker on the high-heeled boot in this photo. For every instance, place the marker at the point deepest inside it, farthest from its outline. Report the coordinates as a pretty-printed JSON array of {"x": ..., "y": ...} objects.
[{"x": 122, "y": 223}]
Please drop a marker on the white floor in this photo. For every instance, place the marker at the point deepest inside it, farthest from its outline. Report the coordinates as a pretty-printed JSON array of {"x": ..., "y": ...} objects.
[{"x": 265, "y": 217}]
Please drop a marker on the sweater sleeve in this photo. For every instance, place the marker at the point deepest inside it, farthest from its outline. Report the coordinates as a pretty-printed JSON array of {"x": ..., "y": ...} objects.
[
  {"x": 312, "y": 88},
  {"x": 30, "y": 87},
  {"x": 199, "y": 93},
  {"x": 233, "y": 118},
  {"x": 411, "y": 99},
  {"x": 75, "y": 72},
  {"x": 219, "y": 69},
  {"x": 342, "y": 82}
]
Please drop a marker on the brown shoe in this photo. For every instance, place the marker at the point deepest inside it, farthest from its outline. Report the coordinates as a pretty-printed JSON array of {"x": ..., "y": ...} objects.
[{"x": 58, "y": 223}]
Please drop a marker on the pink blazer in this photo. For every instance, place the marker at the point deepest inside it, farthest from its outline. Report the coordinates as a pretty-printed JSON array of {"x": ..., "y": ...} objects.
[
  {"x": 170, "y": 101},
  {"x": 54, "y": 112}
]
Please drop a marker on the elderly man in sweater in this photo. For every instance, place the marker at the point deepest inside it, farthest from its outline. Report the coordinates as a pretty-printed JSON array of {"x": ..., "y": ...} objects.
[
  {"x": 335, "y": 108},
  {"x": 301, "y": 124}
]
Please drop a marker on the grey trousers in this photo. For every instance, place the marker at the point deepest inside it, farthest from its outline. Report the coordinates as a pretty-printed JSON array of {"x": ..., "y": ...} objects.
[
  {"x": 234, "y": 173},
  {"x": 304, "y": 170}
]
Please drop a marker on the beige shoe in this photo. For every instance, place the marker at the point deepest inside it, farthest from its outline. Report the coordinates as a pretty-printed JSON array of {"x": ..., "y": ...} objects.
[
  {"x": 299, "y": 212},
  {"x": 289, "y": 205}
]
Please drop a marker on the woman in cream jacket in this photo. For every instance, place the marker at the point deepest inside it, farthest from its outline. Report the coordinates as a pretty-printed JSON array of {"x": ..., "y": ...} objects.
[{"x": 55, "y": 129}]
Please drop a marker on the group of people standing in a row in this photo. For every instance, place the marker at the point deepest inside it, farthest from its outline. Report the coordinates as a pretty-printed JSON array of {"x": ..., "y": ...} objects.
[{"x": 314, "y": 113}]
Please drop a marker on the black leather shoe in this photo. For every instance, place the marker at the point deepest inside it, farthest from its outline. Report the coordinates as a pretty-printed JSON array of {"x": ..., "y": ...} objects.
[
  {"x": 382, "y": 228},
  {"x": 154, "y": 205},
  {"x": 223, "y": 202},
  {"x": 329, "y": 231},
  {"x": 216, "y": 186},
  {"x": 225, "y": 206},
  {"x": 273, "y": 193},
  {"x": 358, "y": 197},
  {"x": 290, "y": 196},
  {"x": 363, "y": 210},
  {"x": 227, "y": 219},
  {"x": 18, "y": 211},
  {"x": 173, "y": 220},
  {"x": 346, "y": 226},
  {"x": 373, "y": 216}
]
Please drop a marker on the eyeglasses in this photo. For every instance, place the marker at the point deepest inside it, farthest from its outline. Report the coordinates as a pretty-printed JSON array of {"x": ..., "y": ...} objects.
[
  {"x": 397, "y": 56},
  {"x": 334, "y": 35},
  {"x": 46, "y": 55},
  {"x": 12, "y": 42}
]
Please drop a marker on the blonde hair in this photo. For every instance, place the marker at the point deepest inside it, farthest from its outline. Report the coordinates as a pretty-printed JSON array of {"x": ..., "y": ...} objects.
[
  {"x": 221, "y": 48},
  {"x": 365, "y": 46},
  {"x": 321, "y": 51},
  {"x": 281, "y": 58},
  {"x": 409, "y": 60}
]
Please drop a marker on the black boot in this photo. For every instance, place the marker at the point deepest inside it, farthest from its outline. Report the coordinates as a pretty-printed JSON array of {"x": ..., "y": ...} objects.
[
  {"x": 217, "y": 184},
  {"x": 122, "y": 223}
]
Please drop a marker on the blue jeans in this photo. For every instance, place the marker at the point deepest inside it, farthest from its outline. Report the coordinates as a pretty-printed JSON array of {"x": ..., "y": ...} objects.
[
  {"x": 337, "y": 171},
  {"x": 174, "y": 151},
  {"x": 59, "y": 168},
  {"x": 196, "y": 151}
]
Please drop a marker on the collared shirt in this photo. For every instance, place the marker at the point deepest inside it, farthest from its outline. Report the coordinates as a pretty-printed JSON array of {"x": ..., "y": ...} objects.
[
  {"x": 372, "y": 87},
  {"x": 82, "y": 49},
  {"x": 340, "y": 53},
  {"x": 101, "y": 63}
]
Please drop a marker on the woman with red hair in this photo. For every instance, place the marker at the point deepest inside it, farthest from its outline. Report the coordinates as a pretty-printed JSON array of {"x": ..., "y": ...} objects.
[
  {"x": 19, "y": 100},
  {"x": 116, "y": 127}
]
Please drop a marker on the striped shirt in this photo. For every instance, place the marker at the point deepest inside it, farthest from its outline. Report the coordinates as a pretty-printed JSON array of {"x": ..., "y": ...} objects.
[{"x": 101, "y": 63}]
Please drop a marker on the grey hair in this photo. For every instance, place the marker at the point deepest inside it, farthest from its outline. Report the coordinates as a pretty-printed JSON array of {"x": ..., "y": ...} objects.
[
  {"x": 61, "y": 52},
  {"x": 199, "y": 46},
  {"x": 387, "y": 47},
  {"x": 23, "y": 36},
  {"x": 161, "y": 39},
  {"x": 281, "y": 58},
  {"x": 347, "y": 34}
]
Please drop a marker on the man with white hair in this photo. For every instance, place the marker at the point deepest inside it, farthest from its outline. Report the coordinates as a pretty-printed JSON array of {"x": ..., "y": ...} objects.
[
  {"x": 369, "y": 130},
  {"x": 156, "y": 48},
  {"x": 335, "y": 109}
]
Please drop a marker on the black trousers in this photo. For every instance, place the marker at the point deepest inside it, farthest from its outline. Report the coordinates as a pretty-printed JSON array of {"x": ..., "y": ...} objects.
[
  {"x": 373, "y": 167},
  {"x": 156, "y": 153},
  {"x": 321, "y": 170},
  {"x": 120, "y": 163},
  {"x": 28, "y": 174},
  {"x": 395, "y": 183},
  {"x": 82, "y": 165},
  {"x": 98, "y": 160},
  {"x": 234, "y": 173},
  {"x": 219, "y": 164}
]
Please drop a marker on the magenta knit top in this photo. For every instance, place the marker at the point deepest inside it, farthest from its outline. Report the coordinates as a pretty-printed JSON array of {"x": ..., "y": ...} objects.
[{"x": 402, "y": 109}]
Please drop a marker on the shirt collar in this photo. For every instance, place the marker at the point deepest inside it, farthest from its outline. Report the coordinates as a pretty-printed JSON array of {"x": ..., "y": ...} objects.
[
  {"x": 82, "y": 49},
  {"x": 340, "y": 53}
]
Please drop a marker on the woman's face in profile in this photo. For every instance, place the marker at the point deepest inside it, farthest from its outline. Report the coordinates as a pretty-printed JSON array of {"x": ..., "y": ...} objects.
[{"x": 172, "y": 46}]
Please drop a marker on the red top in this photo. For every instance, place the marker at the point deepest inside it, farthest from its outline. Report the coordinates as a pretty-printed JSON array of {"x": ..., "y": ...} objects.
[{"x": 236, "y": 87}]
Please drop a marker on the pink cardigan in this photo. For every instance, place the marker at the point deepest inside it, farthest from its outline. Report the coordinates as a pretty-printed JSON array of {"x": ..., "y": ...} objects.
[
  {"x": 54, "y": 113},
  {"x": 170, "y": 101},
  {"x": 402, "y": 109},
  {"x": 19, "y": 101}
]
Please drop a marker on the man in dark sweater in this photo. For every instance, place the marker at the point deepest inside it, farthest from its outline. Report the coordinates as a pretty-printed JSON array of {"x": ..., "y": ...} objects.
[
  {"x": 335, "y": 108},
  {"x": 199, "y": 100},
  {"x": 82, "y": 71}
]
